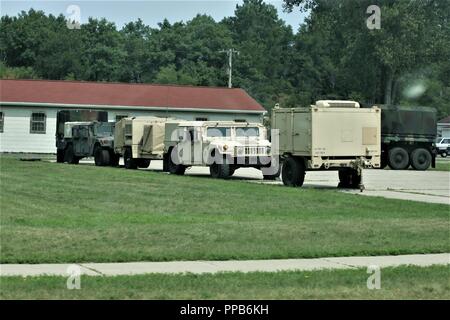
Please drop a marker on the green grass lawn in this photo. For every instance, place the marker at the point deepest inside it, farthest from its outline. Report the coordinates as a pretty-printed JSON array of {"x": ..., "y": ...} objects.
[
  {"x": 396, "y": 283},
  {"x": 81, "y": 213},
  {"x": 442, "y": 166}
]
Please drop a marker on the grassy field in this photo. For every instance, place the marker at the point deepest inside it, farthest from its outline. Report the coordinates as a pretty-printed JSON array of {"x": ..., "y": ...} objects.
[
  {"x": 396, "y": 283},
  {"x": 442, "y": 166},
  {"x": 81, "y": 213}
]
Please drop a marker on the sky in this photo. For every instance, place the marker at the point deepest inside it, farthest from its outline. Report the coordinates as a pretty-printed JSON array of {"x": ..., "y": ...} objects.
[{"x": 150, "y": 11}]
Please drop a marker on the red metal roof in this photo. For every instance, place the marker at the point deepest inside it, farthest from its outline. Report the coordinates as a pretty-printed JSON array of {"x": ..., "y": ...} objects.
[
  {"x": 124, "y": 94},
  {"x": 445, "y": 120}
]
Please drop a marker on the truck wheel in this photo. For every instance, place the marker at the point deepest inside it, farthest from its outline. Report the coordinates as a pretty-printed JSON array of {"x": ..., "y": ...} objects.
[
  {"x": 420, "y": 159},
  {"x": 174, "y": 168},
  {"x": 128, "y": 160},
  {"x": 444, "y": 154},
  {"x": 143, "y": 163},
  {"x": 114, "y": 159},
  {"x": 220, "y": 171},
  {"x": 59, "y": 156},
  {"x": 349, "y": 178},
  {"x": 70, "y": 156},
  {"x": 398, "y": 159},
  {"x": 293, "y": 172},
  {"x": 101, "y": 157}
]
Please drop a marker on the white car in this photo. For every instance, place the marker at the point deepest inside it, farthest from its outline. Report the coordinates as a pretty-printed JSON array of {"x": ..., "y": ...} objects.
[{"x": 442, "y": 146}]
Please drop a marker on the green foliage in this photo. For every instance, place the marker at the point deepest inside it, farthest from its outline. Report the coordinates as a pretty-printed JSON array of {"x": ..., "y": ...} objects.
[{"x": 332, "y": 55}]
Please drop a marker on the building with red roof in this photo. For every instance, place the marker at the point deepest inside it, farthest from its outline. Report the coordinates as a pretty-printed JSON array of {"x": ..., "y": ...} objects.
[{"x": 31, "y": 109}]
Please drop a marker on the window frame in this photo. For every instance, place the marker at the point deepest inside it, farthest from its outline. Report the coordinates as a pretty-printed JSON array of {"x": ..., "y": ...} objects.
[
  {"x": 2, "y": 121},
  {"x": 44, "y": 122}
]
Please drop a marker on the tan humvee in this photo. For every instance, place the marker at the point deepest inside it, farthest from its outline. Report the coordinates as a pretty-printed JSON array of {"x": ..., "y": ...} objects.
[
  {"x": 224, "y": 146},
  {"x": 331, "y": 134}
]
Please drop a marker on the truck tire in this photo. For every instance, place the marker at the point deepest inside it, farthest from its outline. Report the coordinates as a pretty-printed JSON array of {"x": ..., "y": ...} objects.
[
  {"x": 70, "y": 155},
  {"x": 172, "y": 167},
  {"x": 143, "y": 163},
  {"x": 420, "y": 159},
  {"x": 293, "y": 172},
  {"x": 444, "y": 154},
  {"x": 349, "y": 178},
  {"x": 59, "y": 156},
  {"x": 101, "y": 157},
  {"x": 220, "y": 171},
  {"x": 114, "y": 159},
  {"x": 128, "y": 160},
  {"x": 398, "y": 159}
]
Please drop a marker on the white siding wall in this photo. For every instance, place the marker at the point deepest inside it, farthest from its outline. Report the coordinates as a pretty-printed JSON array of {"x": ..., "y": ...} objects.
[
  {"x": 16, "y": 136},
  {"x": 188, "y": 115}
]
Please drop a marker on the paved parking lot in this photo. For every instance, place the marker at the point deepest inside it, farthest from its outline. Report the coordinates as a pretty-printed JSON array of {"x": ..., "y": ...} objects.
[{"x": 425, "y": 186}]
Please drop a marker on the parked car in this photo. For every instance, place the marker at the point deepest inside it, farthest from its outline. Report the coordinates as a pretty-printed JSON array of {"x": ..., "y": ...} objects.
[{"x": 443, "y": 146}]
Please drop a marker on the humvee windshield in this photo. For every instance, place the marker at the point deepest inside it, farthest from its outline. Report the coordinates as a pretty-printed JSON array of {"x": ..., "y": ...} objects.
[
  {"x": 247, "y": 132},
  {"x": 218, "y": 132},
  {"x": 106, "y": 129}
]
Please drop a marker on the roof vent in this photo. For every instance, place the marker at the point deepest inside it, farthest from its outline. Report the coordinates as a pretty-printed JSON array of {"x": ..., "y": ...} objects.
[{"x": 337, "y": 104}]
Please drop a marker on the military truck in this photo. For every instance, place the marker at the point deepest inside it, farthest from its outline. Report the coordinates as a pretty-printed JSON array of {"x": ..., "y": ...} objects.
[
  {"x": 408, "y": 136},
  {"x": 330, "y": 135},
  {"x": 87, "y": 139},
  {"x": 223, "y": 146},
  {"x": 139, "y": 140}
]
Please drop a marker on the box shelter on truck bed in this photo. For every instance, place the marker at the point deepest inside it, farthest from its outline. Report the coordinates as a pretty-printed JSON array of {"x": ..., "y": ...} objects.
[{"x": 336, "y": 135}]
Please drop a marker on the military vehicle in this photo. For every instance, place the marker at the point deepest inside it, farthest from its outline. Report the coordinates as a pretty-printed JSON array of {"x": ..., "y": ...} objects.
[
  {"x": 139, "y": 140},
  {"x": 87, "y": 139},
  {"x": 223, "y": 146},
  {"x": 330, "y": 135},
  {"x": 408, "y": 136}
]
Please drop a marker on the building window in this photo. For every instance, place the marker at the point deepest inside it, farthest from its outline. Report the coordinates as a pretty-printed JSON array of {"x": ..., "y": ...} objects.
[
  {"x": 1, "y": 121},
  {"x": 201, "y": 119},
  {"x": 120, "y": 117},
  {"x": 37, "y": 123},
  {"x": 240, "y": 120}
]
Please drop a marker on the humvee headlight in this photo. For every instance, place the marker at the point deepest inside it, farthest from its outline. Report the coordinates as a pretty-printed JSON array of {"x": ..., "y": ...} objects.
[{"x": 225, "y": 147}]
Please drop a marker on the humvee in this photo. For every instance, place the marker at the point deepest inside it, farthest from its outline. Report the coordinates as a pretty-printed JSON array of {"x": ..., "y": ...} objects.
[
  {"x": 223, "y": 146},
  {"x": 87, "y": 139},
  {"x": 330, "y": 135}
]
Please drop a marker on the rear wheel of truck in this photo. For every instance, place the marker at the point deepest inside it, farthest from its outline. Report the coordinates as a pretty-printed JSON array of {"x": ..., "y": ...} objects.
[
  {"x": 70, "y": 155},
  {"x": 114, "y": 159},
  {"x": 398, "y": 159},
  {"x": 293, "y": 172},
  {"x": 60, "y": 156},
  {"x": 420, "y": 159},
  {"x": 143, "y": 163},
  {"x": 128, "y": 160},
  {"x": 101, "y": 157},
  {"x": 349, "y": 178},
  {"x": 173, "y": 164}
]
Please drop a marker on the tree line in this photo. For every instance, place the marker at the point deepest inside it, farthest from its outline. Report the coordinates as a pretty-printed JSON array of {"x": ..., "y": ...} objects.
[{"x": 333, "y": 54}]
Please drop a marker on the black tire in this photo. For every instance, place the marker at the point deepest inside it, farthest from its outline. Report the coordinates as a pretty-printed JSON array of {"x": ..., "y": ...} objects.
[
  {"x": 114, "y": 159},
  {"x": 398, "y": 159},
  {"x": 349, "y": 178},
  {"x": 172, "y": 167},
  {"x": 143, "y": 163},
  {"x": 420, "y": 159},
  {"x": 220, "y": 171},
  {"x": 232, "y": 170},
  {"x": 444, "y": 154},
  {"x": 128, "y": 160},
  {"x": 293, "y": 172},
  {"x": 101, "y": 157},
  {"x": 59, "y": 156},
  {"x": 70, "y": 155}
]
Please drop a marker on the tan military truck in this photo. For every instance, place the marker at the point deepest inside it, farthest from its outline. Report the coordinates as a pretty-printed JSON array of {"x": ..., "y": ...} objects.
[
  {"x": 330, "y": 135},
  {"x": 139, "y": 140},
  {"x": 223, "y": 146}
]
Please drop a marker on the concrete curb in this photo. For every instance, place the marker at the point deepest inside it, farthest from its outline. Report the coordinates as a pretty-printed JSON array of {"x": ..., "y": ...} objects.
[{"x": 200, "y": 267}]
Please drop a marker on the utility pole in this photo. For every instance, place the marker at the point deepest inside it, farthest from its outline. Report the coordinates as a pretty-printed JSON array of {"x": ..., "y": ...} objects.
[{"x": 229, "y": 53}]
